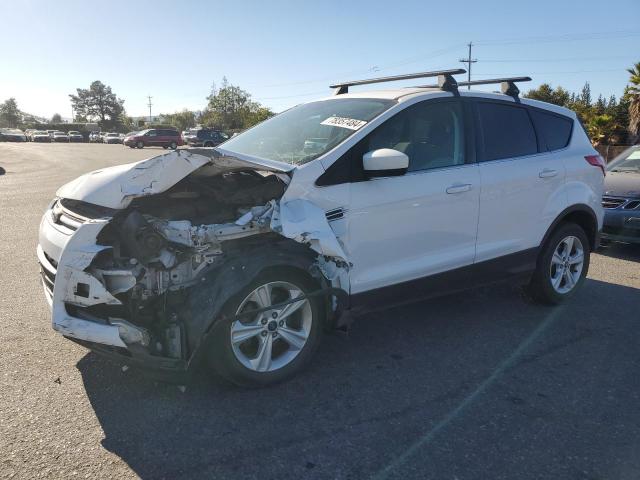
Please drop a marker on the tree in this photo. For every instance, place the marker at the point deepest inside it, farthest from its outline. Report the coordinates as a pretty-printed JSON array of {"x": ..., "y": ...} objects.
[
  {"x": 181, "y": 120},
  {"x": 98, "y": 102},
  {"x": 9, "y": 113},
  {"x": 600, "y": 128},
  {"x": 56, "y": 118},
  {"x": 633, "y": 92},
  {"x": 231, "y": 108},
  {"x": 545, "y": 93}
]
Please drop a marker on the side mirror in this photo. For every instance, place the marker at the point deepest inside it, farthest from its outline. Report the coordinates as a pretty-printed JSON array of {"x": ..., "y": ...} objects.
[{"x": 385, "y": 162}]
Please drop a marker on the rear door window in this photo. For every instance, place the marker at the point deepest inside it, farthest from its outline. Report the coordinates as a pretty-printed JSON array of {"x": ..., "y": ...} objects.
[
  {"x": 506, "y": 131},
  {"x": 554, "y": 130}
]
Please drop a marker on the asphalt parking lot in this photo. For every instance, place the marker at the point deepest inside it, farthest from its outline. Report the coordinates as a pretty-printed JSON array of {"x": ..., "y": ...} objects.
[{"x": 478, "y": 385}]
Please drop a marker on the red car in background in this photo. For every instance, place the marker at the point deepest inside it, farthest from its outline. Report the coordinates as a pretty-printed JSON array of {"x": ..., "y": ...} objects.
[{"x": 155, "y": 137}]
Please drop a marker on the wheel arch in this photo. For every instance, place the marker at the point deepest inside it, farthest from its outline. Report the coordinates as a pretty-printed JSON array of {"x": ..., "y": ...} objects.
[
  {"x": 582, "y": 215},
  {"x": 225, "y": 282}
]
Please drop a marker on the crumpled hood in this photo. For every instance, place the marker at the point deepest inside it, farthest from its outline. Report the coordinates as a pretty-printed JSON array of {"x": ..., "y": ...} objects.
[
  {"x": 115, "y": 187},
  {"x": 622, "y": 184}
]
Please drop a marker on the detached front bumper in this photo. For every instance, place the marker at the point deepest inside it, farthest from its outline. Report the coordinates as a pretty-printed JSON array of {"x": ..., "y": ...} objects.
[
  {"x": 66, "y": 248},
  {"x": 63, "y": 254}
]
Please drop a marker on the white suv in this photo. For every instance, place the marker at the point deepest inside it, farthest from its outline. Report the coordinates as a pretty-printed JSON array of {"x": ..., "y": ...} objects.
[{"x": 240, "y": 256}]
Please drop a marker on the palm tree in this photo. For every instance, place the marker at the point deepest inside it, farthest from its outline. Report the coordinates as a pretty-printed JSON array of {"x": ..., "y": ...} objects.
[{"x": 634, "y": 107}]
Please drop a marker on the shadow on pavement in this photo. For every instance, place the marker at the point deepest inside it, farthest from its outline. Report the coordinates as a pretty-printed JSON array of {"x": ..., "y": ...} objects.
[
  {"x": 2, "y": 171},
  {"x": 370, "y": 394}
]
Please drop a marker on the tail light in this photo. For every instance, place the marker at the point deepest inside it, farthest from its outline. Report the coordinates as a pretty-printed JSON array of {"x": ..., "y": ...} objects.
[{"x": 596, "y": 161}]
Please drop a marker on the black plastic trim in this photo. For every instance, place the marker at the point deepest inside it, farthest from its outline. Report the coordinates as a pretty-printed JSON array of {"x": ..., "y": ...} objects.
[
  {"x": 516, "y": 265},
  {"x": 579, "y": 207}
]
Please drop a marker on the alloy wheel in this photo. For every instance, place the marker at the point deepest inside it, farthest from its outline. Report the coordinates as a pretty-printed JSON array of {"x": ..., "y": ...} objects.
[
  {"x": 567, "y": 263},
  {"x": 273, "y": 338}
]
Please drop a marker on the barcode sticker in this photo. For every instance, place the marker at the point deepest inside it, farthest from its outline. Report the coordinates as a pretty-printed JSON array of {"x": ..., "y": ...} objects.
[{"x": 350, "y": 123}]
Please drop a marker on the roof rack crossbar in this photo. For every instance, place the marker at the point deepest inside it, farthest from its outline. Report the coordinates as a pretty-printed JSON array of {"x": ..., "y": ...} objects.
[
  {"x": 445, "y": 80},
  {"x": 507, "y": 85}
]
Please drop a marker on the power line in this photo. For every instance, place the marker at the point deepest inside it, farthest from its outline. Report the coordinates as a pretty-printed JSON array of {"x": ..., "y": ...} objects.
[
  {"x": 508, "y": 41},
  {"x": 406, "y": 61},
  {"x": 569, "y": 37},
  {"x": 469, "y": 61},
  {"x": 568, "y": 59},
  {"x": 559, "y": 72}
]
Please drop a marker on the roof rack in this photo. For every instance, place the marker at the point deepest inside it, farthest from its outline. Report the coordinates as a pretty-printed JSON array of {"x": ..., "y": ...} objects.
[
  {"x": 445, "y": 80},
  {"x": 507, "y": 85}
]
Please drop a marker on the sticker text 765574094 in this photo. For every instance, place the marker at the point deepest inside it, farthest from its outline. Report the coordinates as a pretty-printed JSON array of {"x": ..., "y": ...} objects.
[{"x": 350, "y": 123}]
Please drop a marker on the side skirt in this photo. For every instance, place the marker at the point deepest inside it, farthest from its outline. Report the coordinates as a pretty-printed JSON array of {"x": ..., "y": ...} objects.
[{"x": 513, "y": 266}]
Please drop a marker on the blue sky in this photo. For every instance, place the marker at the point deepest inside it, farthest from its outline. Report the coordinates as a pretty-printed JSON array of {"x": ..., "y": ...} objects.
[{"x": 287, "y": 52}]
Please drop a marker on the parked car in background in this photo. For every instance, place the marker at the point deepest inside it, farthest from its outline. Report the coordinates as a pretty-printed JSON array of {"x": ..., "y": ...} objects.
[
  {"x": 12, "y": 135},
  {"x": 206, "y": 137},
  {"x": 155, "y": 137},
  {"x": 94, "y": 137},
  {"x": 112, "y": 138},
  {"x": 51, "y": 132},
  {"x": 75, "y": 136},
  {"x": 60, "y": 137},
  {"x": 621, "y": 199},
  {"x": 40, "y": 136}
]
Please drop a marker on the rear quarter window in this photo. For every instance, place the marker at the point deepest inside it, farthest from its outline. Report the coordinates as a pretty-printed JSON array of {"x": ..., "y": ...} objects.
[
  {"x": 554, "y": 130},
  {"x": 506, "y": 131}
]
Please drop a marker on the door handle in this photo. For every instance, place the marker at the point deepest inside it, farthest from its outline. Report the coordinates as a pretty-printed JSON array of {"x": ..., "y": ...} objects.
[
  {"x": 547, "y": 173},
  {"x": 459, "y": 188}
]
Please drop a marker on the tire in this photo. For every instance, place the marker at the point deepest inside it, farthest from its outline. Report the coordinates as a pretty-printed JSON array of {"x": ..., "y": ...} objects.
[
  {"x": 140, "y": 145},
  {"x": 173, "y": 145},
  {"x": 240, "y": 362},
  {"x": 559, "y": 275},
  {"x": 208, "y": 144},
  {"x": 165, "y": 147}
]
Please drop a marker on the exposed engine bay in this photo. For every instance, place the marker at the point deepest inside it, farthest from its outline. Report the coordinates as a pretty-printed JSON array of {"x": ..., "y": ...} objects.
[{"x": 208, "y": 227}]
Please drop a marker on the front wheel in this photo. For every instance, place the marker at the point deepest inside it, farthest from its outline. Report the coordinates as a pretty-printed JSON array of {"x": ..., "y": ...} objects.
[
  {"x": 271, "y": 346},
  {"x": 562, "y": 265},
  {"x": 173, "y": 145},
  {"x": 140, "y": 145}
]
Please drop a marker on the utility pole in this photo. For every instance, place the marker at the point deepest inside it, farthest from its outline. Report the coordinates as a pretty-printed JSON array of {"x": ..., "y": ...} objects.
[
  {"x": 149, "y": 104},
  {"x": 469, "y": 61}
]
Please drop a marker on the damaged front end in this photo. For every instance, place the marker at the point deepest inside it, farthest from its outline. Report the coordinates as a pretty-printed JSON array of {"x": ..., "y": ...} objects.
[{"x": 124, "y": 252}]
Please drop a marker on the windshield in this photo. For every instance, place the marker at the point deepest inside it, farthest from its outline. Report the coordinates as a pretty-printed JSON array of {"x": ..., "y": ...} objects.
[
  {"x": 627, "y": 161},
  {"x": 307, "y": 131}
]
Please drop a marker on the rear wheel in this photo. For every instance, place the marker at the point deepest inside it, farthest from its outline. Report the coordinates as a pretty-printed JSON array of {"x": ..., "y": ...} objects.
[
  {"x": 173, "y": 145},
  {"x": 271, "y": 346},
  {"x": 562, "y": 266}
]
